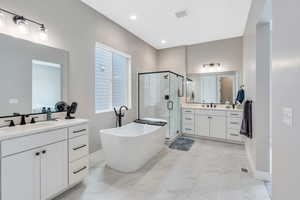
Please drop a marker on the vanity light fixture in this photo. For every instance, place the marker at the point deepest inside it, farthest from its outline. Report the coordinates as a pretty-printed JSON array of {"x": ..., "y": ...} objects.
[
  {"x": 211, "y": 65},
  {"x": 22, "y": 23}
]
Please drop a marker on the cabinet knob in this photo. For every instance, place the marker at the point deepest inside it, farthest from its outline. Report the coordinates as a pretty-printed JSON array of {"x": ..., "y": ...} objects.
[
  {"x": 37, "y": 153},
  {"x": 44, "y": 151}
]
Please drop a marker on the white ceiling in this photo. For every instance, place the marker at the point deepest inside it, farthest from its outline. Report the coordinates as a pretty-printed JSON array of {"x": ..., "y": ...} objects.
[{"x": 207, "y": 20}]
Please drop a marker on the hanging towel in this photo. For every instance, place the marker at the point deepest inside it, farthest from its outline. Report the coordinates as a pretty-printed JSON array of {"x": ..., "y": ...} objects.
[
  {"x": 246, "y": 128},
  {"x": 240, "y": 96}
]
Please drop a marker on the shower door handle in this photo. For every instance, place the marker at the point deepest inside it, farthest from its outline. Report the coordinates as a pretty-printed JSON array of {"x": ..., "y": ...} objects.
[{"x": 170, "y": 105}]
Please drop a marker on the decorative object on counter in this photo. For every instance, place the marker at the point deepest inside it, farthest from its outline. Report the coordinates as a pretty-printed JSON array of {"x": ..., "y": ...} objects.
[
  {"x": 61, "y": 106},
  {"x": 246, "y": 128},
  {"x": 71, "y": 110},
  {"x": 182, "y": 144},
  {"x": 22, "y": 23},
  {"x": 44, "y": 110},
  {"x": 233, "y": 106},
  {"x": 241, "y": 95}
]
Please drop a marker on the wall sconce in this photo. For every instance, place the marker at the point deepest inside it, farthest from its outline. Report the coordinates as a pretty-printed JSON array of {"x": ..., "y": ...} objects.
[
  {"x": 211, "y": 65},
  {"x": 22, "y": 23}
]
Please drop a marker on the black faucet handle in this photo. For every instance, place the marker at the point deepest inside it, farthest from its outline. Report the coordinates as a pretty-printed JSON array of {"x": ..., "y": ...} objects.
[
  {"x": 23, "y": 119},
  {"x": 33, "y": 120},
  {"x": 11, "y": 122}
]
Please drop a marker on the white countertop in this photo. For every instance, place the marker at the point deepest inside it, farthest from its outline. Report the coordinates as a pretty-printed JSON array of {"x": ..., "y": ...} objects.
[
  {"x": 29, "y": 129},
  {"x": 199, "y": 106}
]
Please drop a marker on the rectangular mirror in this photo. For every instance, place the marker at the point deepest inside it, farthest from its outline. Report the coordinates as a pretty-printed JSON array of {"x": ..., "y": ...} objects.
[
  {"x": 32, "y": 76},
  {"x": 217, "y": 88}
]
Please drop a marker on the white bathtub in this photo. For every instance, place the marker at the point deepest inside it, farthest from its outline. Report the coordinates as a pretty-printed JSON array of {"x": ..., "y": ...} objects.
[{"x": 130, "y": 147}]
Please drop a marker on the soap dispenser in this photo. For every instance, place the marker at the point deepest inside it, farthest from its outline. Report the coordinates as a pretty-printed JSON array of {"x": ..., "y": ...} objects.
[{"x": 49, "y": 117}]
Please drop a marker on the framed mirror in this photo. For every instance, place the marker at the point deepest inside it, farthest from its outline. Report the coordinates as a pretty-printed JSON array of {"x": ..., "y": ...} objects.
[
  {"x": 32, "y": 76},
  {"x": 217, "y": 88}
]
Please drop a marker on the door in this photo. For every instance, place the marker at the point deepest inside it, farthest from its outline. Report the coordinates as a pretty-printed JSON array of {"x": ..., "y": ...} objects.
[
  {"x": 203, "y": 125},
  {"x": 21, "y": 175},
  {"x": 218, "y": 127},
  {"x": 54, "y": 169},
  {"x": 174, "y": 105}
]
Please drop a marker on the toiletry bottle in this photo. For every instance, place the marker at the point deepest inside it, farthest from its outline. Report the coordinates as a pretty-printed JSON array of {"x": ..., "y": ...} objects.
[
  {"x": 44, "y": 110},
  {"x": 49, "y": 114}
]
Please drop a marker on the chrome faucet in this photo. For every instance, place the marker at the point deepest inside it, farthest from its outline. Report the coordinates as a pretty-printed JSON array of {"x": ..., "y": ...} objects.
[{"x": 119, "y": 115}]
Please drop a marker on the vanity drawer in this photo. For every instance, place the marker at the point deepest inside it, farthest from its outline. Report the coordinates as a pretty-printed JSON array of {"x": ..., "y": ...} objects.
[
  {"x": 218, "y": 113},
  {"x": 233, "y": 114},
  {"x": 234, "y": 135},
  {"x": 188, "y": 118},
  {"x": 187, "y": 111},
  {"x": 13, "y": 146},
  {"x": 78, "y": 147},
  {"x": 78, "y": 170},
  {"x": 234, "y": 123},
  {"x": 79, "y": 130},
  {"x": 188, "y": 128}
]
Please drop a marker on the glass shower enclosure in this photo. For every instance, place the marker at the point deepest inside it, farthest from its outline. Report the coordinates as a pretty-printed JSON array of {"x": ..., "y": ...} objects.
[{"x": 159, "y": 98}]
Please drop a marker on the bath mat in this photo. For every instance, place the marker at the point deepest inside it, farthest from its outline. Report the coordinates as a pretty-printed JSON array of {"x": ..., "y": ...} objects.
[{"x": 182, "y": 144}]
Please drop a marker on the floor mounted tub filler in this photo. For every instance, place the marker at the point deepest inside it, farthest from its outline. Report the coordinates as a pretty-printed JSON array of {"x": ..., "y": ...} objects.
[{"x": 130, "y": 147}]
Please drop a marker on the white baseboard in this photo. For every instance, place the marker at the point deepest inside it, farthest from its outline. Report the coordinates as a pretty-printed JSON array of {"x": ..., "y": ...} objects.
[
  {"x": 260, "y": 175},
  {"x": 264, "y": 176},
  {"x": 96, "y": 158},
  {"x": 251, "y": 162}
]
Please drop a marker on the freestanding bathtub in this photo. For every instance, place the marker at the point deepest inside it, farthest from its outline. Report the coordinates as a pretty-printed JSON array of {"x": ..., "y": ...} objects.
[{"x": 130, "y": 147}]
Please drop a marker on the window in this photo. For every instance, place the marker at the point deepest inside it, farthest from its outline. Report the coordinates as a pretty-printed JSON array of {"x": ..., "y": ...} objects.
[
  {"x": 46, "y": 85},
  {"x": 112, "y": 79}
]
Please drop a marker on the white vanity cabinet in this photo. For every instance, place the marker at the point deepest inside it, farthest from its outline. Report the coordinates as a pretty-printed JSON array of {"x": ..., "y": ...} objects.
[
  {"x": 212, "y": 123},
  {"x": 36, "y": 166}
]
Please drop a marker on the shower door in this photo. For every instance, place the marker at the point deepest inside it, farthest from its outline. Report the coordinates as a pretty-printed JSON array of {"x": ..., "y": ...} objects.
[{"x": 174, "y": 106}]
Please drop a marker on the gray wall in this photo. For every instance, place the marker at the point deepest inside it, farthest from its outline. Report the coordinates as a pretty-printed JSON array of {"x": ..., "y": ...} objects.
[
  {"x": 228, "y": 52},
  {"x": 254, "y": 77},
  {"x": 173, "y": 59},
  {"x": 189, "y": 59},
  {"x": 285, "y": 93},
  {"x": 75, "y": 27}
]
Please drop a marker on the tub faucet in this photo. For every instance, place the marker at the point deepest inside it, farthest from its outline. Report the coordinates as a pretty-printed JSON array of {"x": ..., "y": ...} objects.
[{"x": 119, "y": 115}]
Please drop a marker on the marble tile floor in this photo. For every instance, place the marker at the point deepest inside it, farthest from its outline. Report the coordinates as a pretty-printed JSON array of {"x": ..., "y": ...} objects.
[{"x": 209, "y": 171}]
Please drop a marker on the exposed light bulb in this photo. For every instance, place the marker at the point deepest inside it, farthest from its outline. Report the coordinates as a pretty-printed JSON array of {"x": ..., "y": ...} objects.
[
  {"x": 22, "y": 26},
  {"x": 43, "y": 33}
]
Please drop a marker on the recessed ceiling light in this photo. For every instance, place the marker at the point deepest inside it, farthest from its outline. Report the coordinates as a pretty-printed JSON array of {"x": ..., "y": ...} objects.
[
  {"x": 163, "y": 41},
  {"x": 133, "y": 17}
]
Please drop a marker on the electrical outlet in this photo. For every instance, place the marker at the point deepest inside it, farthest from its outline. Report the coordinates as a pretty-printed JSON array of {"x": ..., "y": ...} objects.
[{"x": 287, "y": 116}]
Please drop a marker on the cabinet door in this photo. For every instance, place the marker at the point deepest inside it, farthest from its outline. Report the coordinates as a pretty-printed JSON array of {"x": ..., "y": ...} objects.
[
  {"x": 54, "y": 169},
  {"x": 20, "y": 176},
  {"x": 218, "y": 127},
  {"x": 202, "y": 125}
]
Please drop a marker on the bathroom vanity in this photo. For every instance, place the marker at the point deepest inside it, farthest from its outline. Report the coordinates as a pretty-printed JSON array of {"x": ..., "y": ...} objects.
[
  {"x": 40, "y": 161},
  {"x": 212, "y": 123}
]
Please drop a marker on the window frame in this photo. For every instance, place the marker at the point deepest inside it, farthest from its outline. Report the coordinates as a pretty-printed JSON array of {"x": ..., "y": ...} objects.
[{"x": 129, "y": 95}]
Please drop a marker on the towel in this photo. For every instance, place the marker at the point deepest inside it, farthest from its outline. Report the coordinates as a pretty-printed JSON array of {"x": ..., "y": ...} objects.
[
  {"x": 246, "y": 128},
  {"x": 240, "y": 96}
]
